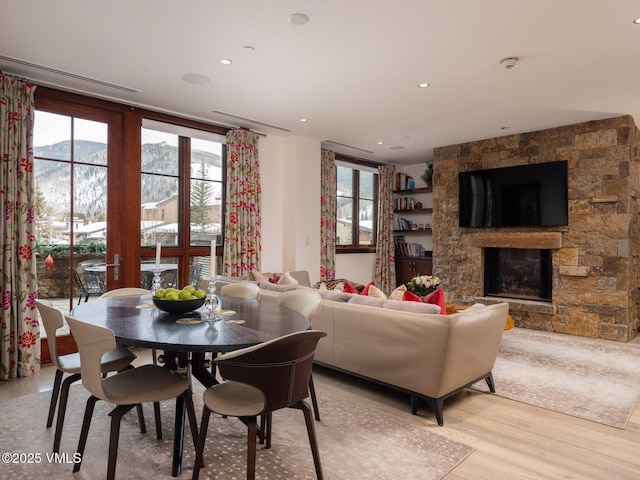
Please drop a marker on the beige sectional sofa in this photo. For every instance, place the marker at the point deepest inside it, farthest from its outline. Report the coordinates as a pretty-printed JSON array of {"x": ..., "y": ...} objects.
[{"x": 427, "y": 355}]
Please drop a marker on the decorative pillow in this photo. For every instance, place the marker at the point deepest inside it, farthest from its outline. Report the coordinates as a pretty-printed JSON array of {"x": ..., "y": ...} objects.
[
  {"x": 411, "y": 297},
  {"x": 287, "y": 279},
  {"x": 323, "y": 287},
  {"x": 258, "y": 276},
  {"x": 437, "y": 298},
  {"x": 375, "y": 292},
  {"x": 370, "y": 301},
  {"x": 398, "y": 293},
  {"x": 335, "y": 296},
  {"x": 277, "y": 288},
  {"x": 348, "y": 288},
  {"x": 339, "y": 287},
  {"x": 365, "y": 290},
  {"x": 413, "y": 307}
]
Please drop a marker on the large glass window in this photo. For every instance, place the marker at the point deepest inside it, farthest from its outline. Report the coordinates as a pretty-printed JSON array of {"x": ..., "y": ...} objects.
[{"x": 356, "y": 208}]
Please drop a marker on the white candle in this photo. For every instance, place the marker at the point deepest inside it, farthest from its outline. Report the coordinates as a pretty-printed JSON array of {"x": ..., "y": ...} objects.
[
  {"x": 158, "y": 250},
  {"x": 212, "y": 260}
]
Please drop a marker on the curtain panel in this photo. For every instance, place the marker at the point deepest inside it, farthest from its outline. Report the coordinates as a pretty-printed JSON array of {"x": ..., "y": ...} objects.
[
  {"x": 19, "y": 327},
  {"x": 242, "y": 241},
  {"x": 385, "y": 269},
  {"x": 328, "y": 205}
]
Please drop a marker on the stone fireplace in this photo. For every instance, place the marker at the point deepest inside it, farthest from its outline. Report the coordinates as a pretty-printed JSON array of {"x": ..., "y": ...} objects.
[
  {"x": 594, "y": 271},
  {"x": 518, "y": 273}
]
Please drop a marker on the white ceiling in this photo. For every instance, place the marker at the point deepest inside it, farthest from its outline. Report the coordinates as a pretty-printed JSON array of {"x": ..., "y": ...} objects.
[{"x": 352, "y": 71}]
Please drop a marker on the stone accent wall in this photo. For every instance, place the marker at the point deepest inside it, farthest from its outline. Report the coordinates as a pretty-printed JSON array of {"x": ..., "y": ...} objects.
[{"x": 596, "y": 278}]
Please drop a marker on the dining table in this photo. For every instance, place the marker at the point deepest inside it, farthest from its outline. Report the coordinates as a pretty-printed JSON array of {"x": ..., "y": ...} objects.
[{"x": 186, "y": 338}]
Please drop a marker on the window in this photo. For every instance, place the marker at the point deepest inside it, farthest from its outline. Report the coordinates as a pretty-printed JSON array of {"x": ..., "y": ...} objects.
[
  {"x": 357, "y": 207},
  {"x": 166, "y": 217}
]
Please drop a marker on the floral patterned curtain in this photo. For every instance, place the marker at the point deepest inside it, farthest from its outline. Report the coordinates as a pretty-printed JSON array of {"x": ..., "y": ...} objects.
[
  {"x": 19, "y": 328},
  {"x": 328, "y": 198},
  {"x": 242, "y": 243},
  {"x": 385, "y": 271}
]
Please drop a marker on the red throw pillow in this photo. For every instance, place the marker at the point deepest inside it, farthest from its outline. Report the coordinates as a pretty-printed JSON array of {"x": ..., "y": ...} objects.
[
  {"x": 274, "y": 279},
  {"x": 365, "y": 291},
  {"x": 411, "y": 297},
  {"x": 348, "y": 288},
  {"x": 437, "y": 298}
]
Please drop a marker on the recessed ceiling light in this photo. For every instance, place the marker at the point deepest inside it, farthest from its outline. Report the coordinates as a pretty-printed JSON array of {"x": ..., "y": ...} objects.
[
  {"x": 248, "y": 49},
  {"x": 298, "y": 18},
  {"x": 637, "y": 21},
  {"x": 423, "y": 85},
  {"x": 381, "y": 143},
  {"x": 195, "y": 79},
  {"x": 303, "y": 120},
  {"x": 225, "y": 61}
]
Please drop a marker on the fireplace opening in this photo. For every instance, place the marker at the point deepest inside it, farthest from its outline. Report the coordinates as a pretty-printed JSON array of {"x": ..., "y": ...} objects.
[{"x": 522, "y": 273}]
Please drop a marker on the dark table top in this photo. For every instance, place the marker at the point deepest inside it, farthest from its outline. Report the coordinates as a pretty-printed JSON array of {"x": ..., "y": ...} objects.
[{"x": 135, "y": 321}]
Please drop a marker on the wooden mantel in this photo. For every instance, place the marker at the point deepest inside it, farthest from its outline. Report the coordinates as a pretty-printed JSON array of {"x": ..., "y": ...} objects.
[{"x": 538, "y": 240}]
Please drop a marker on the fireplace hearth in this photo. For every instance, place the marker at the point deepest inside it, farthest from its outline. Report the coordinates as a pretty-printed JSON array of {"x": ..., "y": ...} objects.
[{"x": 519, "y": 273}]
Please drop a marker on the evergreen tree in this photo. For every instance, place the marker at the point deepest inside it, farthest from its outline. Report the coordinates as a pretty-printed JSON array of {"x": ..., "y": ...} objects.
[{"x": 201, "y": 193}]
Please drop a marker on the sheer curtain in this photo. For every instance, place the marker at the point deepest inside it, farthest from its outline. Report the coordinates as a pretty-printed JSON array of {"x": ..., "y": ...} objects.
[
  {"x": 19, "y": 328},
  {"x": 328, "y": 198},
  {"x": 242, "y": 243},
  {"x": 385, "y": 271}
]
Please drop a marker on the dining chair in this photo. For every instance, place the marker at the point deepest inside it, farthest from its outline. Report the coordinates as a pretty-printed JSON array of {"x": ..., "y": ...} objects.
[
  {"x": 86, "y": 283},
  {"x": 307, "y": 302},
  {"x": 128, "y": 389},
  {"x": 117, "y": 359},
  {"x": 123, "y": 292},
  {"x": 259, "y": 380},
  {"x": 241, "y": 290}
]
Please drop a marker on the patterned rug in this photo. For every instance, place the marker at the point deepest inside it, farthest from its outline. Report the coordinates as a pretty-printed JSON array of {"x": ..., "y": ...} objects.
[
  {"x": 593, "y": 379},
  {"x": 356, "y": 440}
]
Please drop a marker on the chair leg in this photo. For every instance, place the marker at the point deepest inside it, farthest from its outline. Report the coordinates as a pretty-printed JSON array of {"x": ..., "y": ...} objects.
[
  {"x": 313, "y": 442},
  {"x": 154, "y": 353},
  {"x": 114, "y": 437},
  {"x": 191, "y": 414},
  {"x": 156, "y": 413},
  {"x": 143, "y": 426},
  {"x": 54, "y": 397},
  {"x": 251, "y": 447},
  {"x": 269, "y": 424},
  {"x": 84, "y": 431},
  {"x": 314, "y": 400},
  {"x": 62, "y": 409},
  {"x": 204, "y": 425}
]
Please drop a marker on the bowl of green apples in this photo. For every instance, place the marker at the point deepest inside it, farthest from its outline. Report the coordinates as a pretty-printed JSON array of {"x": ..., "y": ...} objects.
[{"x": 173, "y": 300}]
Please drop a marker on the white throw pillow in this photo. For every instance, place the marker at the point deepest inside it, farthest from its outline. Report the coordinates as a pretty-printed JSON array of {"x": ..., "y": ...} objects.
[
  {"x": 375, "y": 292},
  {"x": 287, "y": 279},
  {"x": 323, "y": 287},
  {"x": 339, "y": 287},
  {"x": 258, "y": 276},
  {"x": 398, "y": 293}
]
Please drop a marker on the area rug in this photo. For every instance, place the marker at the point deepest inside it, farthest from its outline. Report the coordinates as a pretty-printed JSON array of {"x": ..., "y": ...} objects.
[
  {"x": 593, "y": 379},
  {"x": 356, "y": 440}
]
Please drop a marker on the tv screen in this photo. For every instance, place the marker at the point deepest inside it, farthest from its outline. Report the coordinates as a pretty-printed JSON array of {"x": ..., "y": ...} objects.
[{"x": 526, "y": 195}]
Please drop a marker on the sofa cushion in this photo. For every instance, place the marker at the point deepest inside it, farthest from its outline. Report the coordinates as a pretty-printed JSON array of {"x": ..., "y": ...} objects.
[
  {"x": 276, "y": 287},
  {"x": 259, "y": 276},
  {"x": 370, "y": 301},
  {"x": 335, "y": 296},
  {"x": 376, "y": 292},
  {"x": 413, "y": 307},
  {"x": 411, "y": 297},
  {"x": 398, "y": 293},
  {"x": 348, "y": 288}
]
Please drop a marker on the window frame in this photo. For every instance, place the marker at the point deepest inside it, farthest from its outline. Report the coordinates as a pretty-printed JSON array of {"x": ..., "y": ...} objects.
[{"x": 354, "y": 163}]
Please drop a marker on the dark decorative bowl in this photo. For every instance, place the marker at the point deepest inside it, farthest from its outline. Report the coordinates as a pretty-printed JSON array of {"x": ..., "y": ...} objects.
[{"x": 178, "y": 306}]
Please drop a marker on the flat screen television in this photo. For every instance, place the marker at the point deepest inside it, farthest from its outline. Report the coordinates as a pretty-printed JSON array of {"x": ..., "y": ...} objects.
[{"x": 526, "y": 195}]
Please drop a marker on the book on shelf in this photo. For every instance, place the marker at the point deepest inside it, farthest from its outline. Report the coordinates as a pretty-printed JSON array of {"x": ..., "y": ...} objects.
[
  {"x": 404, "y": 249},
  {"x": 404, "y": 182}
]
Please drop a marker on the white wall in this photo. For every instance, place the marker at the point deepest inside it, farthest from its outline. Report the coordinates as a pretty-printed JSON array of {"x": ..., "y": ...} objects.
[{"x": 290, "y": 179}]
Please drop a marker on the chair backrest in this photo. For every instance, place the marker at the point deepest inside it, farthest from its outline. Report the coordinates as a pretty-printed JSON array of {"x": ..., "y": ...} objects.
[
  {"x": 241, "y": 290},
  {"x": 78, "y": 282},
  {"x": 122, "y": 292},
  {"x": 303, "y": 300},
  {"x": 93, "y": 342},
  {"x": 52, "y": 319},
  {"x": 281, "y": 368}
]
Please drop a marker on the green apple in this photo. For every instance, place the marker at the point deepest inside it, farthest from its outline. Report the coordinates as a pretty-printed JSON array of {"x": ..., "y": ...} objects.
[
  {"x": 160, "y": 293},
  {"x": 172, "y": 296},
  {"x": 190, "y": 288},
  {"x": 185, "y": 294},
  {"x": 200, "y": 293}
]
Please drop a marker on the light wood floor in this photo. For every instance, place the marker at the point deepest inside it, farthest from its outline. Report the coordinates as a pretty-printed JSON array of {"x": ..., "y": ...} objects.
[{"x": 512, "y": 441}]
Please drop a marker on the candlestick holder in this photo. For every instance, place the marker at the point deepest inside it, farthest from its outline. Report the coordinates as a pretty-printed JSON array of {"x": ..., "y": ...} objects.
[
  {"x": 211, "y": 302},
  {"x": 156, "y": 284}
]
